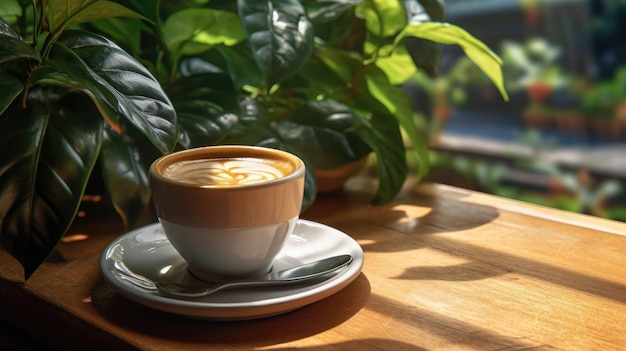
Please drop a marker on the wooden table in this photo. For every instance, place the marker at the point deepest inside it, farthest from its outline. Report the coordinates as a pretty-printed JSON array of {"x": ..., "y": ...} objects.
[{"x": 445, "y": 269}]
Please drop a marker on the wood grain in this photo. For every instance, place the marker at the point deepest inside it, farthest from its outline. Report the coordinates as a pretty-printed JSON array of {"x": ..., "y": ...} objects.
[{"x": 445, "y": 269}]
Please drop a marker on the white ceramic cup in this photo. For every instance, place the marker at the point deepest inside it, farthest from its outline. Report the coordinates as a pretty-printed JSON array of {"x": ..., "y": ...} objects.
[{"x": 228, "y": 210}]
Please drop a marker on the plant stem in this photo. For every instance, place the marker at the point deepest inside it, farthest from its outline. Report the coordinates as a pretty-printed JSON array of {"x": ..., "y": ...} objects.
[
  {"x": 170, "y": 68},
  {"x": 36, "y": 27},
  {"x": 42, "y": 24},
  {"x": 354, "y": 84}
]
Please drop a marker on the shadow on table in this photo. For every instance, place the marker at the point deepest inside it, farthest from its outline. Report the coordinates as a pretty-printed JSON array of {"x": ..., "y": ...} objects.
[
  {"x": 457, "y": 333},
  {"x": 410, "y": 222},
  {"x": 363, "y": 343},
  {"x": 302, "y": 323},
  {"x": 441, "y": 219}
]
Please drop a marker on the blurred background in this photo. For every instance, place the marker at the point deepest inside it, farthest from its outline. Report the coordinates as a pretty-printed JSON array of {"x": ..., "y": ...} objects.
[{"x": 561, "y": 139}]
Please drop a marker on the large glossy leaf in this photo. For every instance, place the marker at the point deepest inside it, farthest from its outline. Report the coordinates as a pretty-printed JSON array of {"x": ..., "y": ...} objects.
[
  {"x": 10, "y": 88},
  {"x": 383, "y": 18},
  {"x": 342, "y": 63},
  {"x": 330, "y": 72},
  {"x": 382, "y": 133},
  {"x": 10, "y": 9},
  {"x": 328, "y": 10},
  {"x": 217, "y": 88},
  {"x": 280, "y": 36},
  {"x": 418, "y": 11},
  {"x": 125, "y": 159},
  {"x": 401, "y": 67},
  {"x": 48, "y": 158},
  {"x": 12, "y": 47},
  {"x": 397, "y": 104},
  {"x": 7, "y": 31},
  {"x": 335, "y": 24},
  {"x": 64, "y": 13},
  {"x": 475, "y": 50},
  {"x": 148, "y": 9},
  {"x": 241, "y": 66},
  {"x": 192, "y": 31},
  {"x": 310, "y": 185},
  {"x": 425, "y": 54},
  {"x": 127, "y": 33},
  {"x": 207, "y": 108},
  {"x": 116, "y": 82},
  {"x": 321, "y": 130},
  {"x": 254, "y": 127},
  {"x": 202, "y": 124},
  {"x": 386, "y": 109}
]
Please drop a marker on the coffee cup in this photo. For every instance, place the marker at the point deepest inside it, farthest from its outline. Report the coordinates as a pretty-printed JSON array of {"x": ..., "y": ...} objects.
[{"x": 228, "y": 210}]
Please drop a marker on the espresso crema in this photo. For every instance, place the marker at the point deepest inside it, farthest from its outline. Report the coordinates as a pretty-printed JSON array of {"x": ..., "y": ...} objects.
[{"x": 227, "y": 171}]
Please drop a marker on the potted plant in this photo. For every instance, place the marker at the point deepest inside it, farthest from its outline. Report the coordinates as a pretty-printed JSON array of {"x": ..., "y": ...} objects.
[
  {"x": 600, "y": 104},
  {"x": 568, "y": 113},
  {"x": 119, "y": 83}
]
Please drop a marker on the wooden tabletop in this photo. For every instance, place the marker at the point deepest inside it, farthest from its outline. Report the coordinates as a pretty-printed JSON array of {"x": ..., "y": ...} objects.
[{"x": 445, "y": 269}]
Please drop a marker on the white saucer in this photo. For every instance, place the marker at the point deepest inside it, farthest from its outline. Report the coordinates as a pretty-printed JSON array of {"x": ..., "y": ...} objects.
[{"x": 144, "y": 255}]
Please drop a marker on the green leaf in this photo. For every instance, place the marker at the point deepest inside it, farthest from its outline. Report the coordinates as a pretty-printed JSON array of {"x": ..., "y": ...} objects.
[
  {"x": 125, "y": 32},
  {"x": 11, "y": 88},
  {"x": 115, "y": 81},
  {"x": 280, "y": 36},
  {"x": 203, "y": 129},
  {"x": 207, "y": 108},
  {"x": 10, "y": 9},
  {"x": 320, "y": 130},
  {"x": 149, "y": 9},
  {"x": 7, "y": 31},
  {"x": 342, "y": 63},
  {"x": 475, "y": 50},
  {"x": 383, "y": 18},
  {"x": 338, "y": 28},
  {"x": 328, "y": 10},
  {"x": 330, "y": 72},
  {"x": 125, "y": 159},
  {"x": 310, "y": 185},
  {"x": 424, "y": 10},
  {"x": 398, "y": 67},
  {"x": 394, "y": 102},
  {"x": 426, "y": 54},
  {"x": 64, "y": 13},
  {"x": 192, "y": 31},
  {"x": 241, "y": 66},
  {"x": 253, "y": 126},
  {"x": 381, "y": 108},
  {"x": 12, "y": 47},
  {"x": 53, "y": 150},
  {"x": 382, "y": 133}
]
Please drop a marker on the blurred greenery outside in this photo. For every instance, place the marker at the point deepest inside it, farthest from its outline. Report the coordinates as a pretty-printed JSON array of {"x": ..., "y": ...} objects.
[{"x": 548, "y": 98}]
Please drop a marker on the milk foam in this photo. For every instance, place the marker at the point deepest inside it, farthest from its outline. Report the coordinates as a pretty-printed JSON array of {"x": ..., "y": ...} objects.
[{"x": 223, "y": 172}]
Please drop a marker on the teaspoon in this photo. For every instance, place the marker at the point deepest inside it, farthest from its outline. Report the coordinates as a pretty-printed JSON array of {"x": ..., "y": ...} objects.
[{"x": 297, "y": 274}]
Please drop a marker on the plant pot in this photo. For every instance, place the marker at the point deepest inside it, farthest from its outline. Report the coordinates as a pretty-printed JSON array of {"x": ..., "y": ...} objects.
[
  {"x": 602, "y": 127},
  {"x": 617, "y": 129},
  {"x": 329, "y": 180},
  {"x": 538, "y": 120},
  {"x": 571, "y": 122}
]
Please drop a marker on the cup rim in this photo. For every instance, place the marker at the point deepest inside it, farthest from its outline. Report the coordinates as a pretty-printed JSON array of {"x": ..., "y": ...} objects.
[{"x": 297, "y": 173}]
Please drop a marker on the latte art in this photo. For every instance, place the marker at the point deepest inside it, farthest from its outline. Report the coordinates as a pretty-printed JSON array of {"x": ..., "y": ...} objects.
[{"x": 225, "y": 172}]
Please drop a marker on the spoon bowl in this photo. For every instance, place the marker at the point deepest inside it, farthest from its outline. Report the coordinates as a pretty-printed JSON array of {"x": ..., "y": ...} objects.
[{"x": 309, "y": 271}]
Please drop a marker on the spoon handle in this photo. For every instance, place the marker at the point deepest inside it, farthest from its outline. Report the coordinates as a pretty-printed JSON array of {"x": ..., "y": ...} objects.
[{"x": 298, "y": 274}]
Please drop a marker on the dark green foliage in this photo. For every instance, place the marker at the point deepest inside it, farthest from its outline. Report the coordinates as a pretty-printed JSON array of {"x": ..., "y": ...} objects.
[{"x": 117, "y": 84}]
